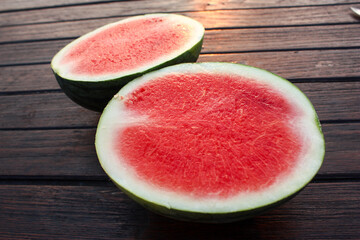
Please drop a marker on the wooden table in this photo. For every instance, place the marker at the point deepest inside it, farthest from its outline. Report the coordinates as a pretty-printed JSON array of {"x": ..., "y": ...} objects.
[{"x": 51, "y": 184}]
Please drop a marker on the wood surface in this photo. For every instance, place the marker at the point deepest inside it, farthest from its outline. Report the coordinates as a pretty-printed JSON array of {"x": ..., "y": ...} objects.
[
  {"x": 51, "y": 184},
  {"x": 320, "y": 65},
  {"x": 16, "y": 5},
  {"x": 240, "y": 18},
  {"x": 102, "y": 212},
  {"x": 215, "y": 41},
  {"x": 70, "y": 152},
  {"x": 56, "y": 12},
  {"x": 332, "y": 100}
]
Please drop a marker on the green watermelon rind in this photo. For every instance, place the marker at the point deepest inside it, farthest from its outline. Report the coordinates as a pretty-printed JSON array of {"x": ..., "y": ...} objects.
[
  {"x": 225, "y": 217},
  {"x": 203, "y": 217},
  {"x": 222, "y": 217},
  {"x": 95, "y": 95}
]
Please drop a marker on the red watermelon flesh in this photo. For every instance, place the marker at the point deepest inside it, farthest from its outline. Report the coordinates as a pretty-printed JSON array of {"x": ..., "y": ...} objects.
[
  {"x": 210, "y": 142},
  {"x": 206, "y": 138},
  {"x": 128, "y": 45},
  {"x": 93, "y": 67}
]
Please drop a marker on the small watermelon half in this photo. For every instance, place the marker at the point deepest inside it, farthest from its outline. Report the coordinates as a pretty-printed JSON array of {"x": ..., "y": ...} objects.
[
  {"x": 210, "y": 142},
  {"x": 92, "y": 68}
]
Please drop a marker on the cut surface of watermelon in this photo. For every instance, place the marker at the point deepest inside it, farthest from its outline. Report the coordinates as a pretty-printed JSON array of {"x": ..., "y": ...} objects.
[
  {"x": 114, "y": 54},
  {"x": 210, "y": 138},
  {"x": 209, "y": 157}
]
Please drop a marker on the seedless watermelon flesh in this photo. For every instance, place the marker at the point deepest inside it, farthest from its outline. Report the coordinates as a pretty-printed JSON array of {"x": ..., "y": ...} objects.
[
  {"x": 209, "y": 157},
  {"x": 95, "y": 66},
  {"x": 210, "y": 142}
]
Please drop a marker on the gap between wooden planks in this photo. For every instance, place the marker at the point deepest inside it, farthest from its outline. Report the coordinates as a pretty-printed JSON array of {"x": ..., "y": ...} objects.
[
  {"x": 309, "y": 65},
  {"x": 56, "y": 153},
  {"x": 220, "y": 19},
  {"x": 54, "y": 11},
  {"x": 332, "y": 101},
  {"x": 24, "y": 5},
  {"x": 217, "y": 41},
  {"x": 320, "y": 211}
]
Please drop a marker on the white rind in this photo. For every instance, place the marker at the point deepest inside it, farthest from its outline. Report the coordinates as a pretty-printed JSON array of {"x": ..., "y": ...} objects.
[
  {"x": 64, "y": 70},
  {"x": 115, "y": 116}
]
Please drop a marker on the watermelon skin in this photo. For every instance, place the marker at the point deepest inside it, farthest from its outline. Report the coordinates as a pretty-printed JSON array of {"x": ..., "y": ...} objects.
[
  {"x": 95, "y": 95},
  {"x": 201, "y": 217},
  {"x": 220, "y": 217},
  {"x": 214, "y": 218}
]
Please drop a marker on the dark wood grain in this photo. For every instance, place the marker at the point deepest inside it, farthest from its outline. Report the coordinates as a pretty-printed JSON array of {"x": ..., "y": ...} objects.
[
  {"x": 342, "y": 149},
  {"x": 65, "y": 153},
  {"x": 288, "y": 64},
  {"x": 27, "y": 78},
  {"x": 278, "y": 38},
  {"x": 44, "y": 110},
  {"x": 121, "y": 8},
  {"x": 333, "y": 101},
  {"x": 215, "y": 41},
  {"x": 210, "y": 19},
  {"x": 70, "y": 153},
  {"x": 18, "y": 5},
  {"x": 103, "y": 212},
  {"x": 297, "y": 64},
  {"x": 51, "y": 184},
  {"x": 9, "y": 5}
]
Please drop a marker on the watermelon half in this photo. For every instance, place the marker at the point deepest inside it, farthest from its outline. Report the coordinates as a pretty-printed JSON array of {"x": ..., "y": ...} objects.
[
  {"x": 92, "y": 68},
  {"x": 210, "y": 142}
]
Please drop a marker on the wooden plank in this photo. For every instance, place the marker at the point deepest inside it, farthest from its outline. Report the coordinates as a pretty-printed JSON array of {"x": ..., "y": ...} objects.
[
  {"x": 288, "y": 64},
  {"x": 16, "y": 5},
  {"x": 333, "y": 101},
  {"x": 11, "y": 5},
  {"x": 277, "y": 38},
  {"x": 44, "y": 110},
  {"x": 103, "y": 212},
  {"x": 126, "y": 8},
  {"x": 210, "y": 19},
  {"x": 43, "y": 153},
  {"x": 297, "y": 64},
  {"x": 27, "y": 78},
  {"x": 34, "y": 52},
  {"x": 70, "y": 153},
  {"x": 342, "y": 148},
  {"x": 229, "y": 40}
]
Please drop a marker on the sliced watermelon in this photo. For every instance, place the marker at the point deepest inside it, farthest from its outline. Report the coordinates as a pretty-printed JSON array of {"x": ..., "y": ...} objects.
[
  {"x": 210, "y": 142},
  {"x": 92, "y": 68}
]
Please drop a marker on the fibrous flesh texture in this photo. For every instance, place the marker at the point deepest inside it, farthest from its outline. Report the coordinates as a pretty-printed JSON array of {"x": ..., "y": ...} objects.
[
  {"x": 128, "y": 45},
  {"x": 209, "y": 134}
]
